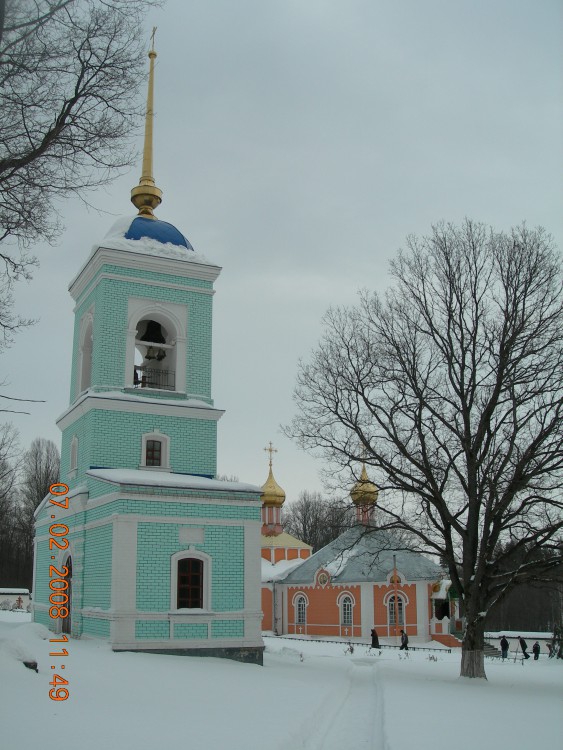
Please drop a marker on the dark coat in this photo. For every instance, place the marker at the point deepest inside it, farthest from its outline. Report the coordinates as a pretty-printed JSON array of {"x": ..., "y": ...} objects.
[{"x": 374, "y": 639}]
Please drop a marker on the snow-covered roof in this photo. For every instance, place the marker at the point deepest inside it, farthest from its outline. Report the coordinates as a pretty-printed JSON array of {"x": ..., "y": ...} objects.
[
  {"x": 14, "y": 591},
  {"x": 360, "y": 555},
  {"x": 278, "y": 571},
  {"x": 166, "y": 479}
]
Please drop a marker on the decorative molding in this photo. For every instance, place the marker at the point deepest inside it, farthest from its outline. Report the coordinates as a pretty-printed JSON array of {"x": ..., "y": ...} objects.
[
  {"x": 91, "y": 401},
  {"x": 127, "y": 259}
]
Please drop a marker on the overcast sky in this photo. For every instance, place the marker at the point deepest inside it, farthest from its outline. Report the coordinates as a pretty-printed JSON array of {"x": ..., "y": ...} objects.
[{"x": 298, "y": 142}]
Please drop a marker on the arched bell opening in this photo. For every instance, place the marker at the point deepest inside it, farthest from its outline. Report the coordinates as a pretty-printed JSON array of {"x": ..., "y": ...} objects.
[{"x": 155, "y": 355}]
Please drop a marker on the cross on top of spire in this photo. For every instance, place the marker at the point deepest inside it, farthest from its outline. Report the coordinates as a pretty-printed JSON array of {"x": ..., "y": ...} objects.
[{"x": 271, "y": 450}]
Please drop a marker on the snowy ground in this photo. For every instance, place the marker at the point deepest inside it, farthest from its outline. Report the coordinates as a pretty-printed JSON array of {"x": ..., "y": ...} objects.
[{"x": 308, "y": 695}]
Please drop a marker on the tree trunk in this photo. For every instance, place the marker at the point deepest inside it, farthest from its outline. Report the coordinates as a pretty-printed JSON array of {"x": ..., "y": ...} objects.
[{"x": 472, "y": 653}]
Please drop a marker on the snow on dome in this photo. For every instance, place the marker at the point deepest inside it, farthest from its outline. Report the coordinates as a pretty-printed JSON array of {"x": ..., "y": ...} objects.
[
  {"x": 150, "y": 237},
  {"x": 155, "y": 229}
]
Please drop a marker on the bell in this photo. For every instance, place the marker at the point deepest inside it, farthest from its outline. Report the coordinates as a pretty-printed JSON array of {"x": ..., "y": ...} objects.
[
  {"x": 153, "y": 333},
  {"x": 160, "y": 355},
  {"x": 150, "y": 353}
]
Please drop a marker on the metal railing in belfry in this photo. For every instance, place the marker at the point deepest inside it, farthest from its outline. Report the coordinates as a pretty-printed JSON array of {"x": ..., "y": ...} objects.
[{"x": 150, "y": 377}]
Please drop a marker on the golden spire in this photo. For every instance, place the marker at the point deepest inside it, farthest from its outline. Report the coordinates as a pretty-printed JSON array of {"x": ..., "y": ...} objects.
[
  {"x": 272, "y": 493},
  {"x": 146, "y": 196}
]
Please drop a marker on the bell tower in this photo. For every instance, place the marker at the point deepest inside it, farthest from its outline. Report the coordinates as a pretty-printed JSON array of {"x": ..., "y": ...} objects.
[
  {"x": 142, "y": 344},
  {"x": 161, "y": 556}
]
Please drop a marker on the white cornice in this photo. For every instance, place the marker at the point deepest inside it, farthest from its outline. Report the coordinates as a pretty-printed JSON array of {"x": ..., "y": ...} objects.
[
  {"x": 186, "y": 409},
  {"x": 127, "y": 259},
  {"x": 149, "y": 282}
]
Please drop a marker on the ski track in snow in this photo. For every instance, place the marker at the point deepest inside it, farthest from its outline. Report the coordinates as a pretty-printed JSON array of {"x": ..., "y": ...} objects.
[{"x": 360, "y": 704}]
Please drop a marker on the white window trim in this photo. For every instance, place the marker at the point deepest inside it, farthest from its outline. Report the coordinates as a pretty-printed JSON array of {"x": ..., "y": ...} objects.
[
  {"x": 340, "y": 603},
  {"x": 207, "y": 576},
  {"x": 300, "y": 595},
  {"x": 390, "y": 598},
  {"x": 164, "y": 451}
]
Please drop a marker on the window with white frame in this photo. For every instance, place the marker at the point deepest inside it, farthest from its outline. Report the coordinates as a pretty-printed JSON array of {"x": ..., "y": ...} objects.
[
  {"x": 190, "y": 582},
  {"x": 396, "y": 610},
  {"x": 301, "y": 610},
  {"x": 155, "y": 451},
  {"x": 346, "y": 606}
]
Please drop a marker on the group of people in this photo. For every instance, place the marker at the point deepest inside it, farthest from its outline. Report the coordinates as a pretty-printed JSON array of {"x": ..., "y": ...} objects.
[{"x": 523, "y": 645}]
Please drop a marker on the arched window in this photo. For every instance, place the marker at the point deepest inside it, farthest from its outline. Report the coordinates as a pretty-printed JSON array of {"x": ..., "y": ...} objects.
[
  {"x": 190, "y": 583},
  {"x": 346, "y": 606},
  {"x": 301, "y": 610},
  {"x": 190, "y": 580}
]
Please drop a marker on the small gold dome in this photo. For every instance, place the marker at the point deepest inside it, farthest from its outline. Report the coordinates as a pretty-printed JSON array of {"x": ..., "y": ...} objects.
[
  {"x": 364, "y": 492},
  {"x": 272, "y": 493}
]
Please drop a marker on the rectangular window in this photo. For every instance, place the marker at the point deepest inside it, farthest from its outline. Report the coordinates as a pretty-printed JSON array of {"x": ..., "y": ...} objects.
[
  {"x": 301, "y": 611},
  {"x": 154, "y": 453},
  {"x": 190, "y": 583},
  {"x": 347, "y": 611}
]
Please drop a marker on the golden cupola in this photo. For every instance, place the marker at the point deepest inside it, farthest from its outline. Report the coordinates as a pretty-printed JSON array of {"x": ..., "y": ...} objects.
[
  {"x": 364, "y": 496},
  {"x": 273, "y": 497}
]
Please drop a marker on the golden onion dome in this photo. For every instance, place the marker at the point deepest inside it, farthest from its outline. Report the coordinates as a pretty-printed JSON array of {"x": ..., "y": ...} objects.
[
  {"x": 272, "y": 493},
  {"x": 364, "y": 492}
]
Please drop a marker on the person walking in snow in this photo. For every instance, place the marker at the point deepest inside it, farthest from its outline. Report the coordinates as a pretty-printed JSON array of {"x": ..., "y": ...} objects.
[
  {"x": 404, "y": 641},
  {"x": 504, "y": 647},
  {"x": 536, "y": 651},
  {"x": 523, "y": 646},
  {"x": 374, "y": 638}
]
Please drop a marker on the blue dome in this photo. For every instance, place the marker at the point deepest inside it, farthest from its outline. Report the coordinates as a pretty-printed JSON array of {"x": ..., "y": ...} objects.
[{"x": 158, "y": 230}]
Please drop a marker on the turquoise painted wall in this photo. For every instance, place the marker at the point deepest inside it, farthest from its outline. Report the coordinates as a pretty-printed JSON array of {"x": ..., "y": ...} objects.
[
  {"x": 113, "y": 439},
  {"x": 110, "y": 299},
  {"x": 156, "y": 543},
  {"x": 97, "y": 567},
  {"x": 96, "y": 627}
]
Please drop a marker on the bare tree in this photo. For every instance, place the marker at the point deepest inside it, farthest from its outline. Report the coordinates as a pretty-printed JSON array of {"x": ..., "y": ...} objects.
[
  {"x": 39, "y": 470},
  {"x": 9, "y": 452},
  {"x": 315, "y": 520},
  {"x": 69, "y": 77},
  {"x": 450, "y": 388}
]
